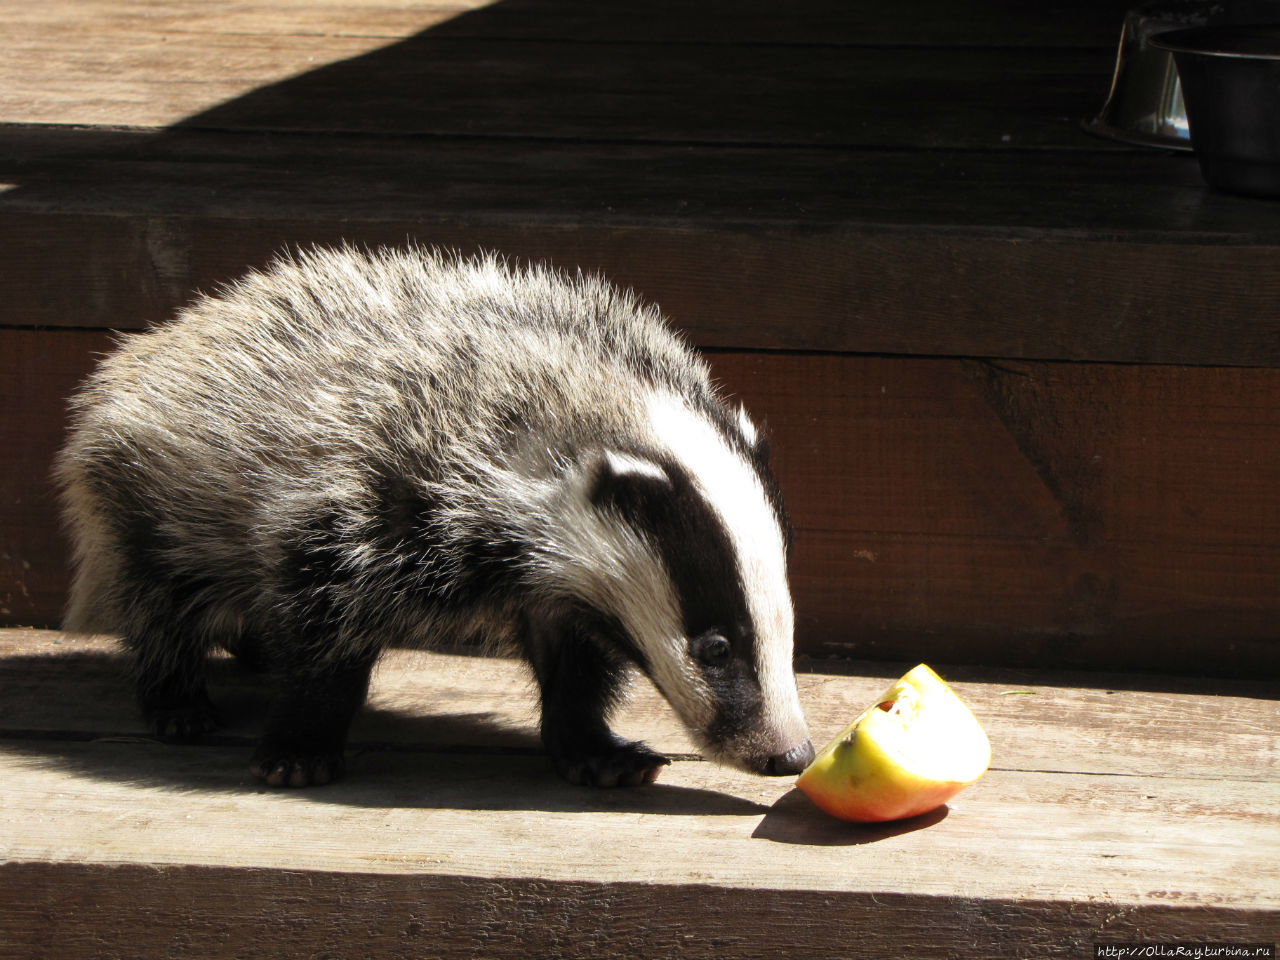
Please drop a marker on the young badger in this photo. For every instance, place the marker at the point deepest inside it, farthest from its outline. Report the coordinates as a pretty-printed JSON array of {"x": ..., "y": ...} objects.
[{"x": 351, "y": 450}]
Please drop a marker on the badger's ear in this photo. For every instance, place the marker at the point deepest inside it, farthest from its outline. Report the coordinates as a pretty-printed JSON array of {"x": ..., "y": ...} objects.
[
  {"x": 627, "y": 483},
  {"x": 757, "y": 439},
  {"x": 749, "y": 431}
]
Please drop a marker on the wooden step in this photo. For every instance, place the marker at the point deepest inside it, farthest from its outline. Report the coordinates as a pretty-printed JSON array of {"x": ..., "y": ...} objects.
[
  {"x": 1023, "y": 383},
  {"x": 815, "y": 183},
  {"x": 1144, "y": 809},
  {"x": 1079, "y": 515}
]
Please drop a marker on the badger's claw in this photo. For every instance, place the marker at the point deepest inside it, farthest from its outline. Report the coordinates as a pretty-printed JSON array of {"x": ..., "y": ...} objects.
[
  {"x": 293, "y": 769},
  {"x": 182, "y": 723},
  {"x": 625, "y": 764}
]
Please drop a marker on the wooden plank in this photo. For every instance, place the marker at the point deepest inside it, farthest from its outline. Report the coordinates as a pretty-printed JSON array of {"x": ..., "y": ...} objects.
[
  {"x": 1137, "y": 301},
  {"x": 37, "y": 374},
  {"x": 470, "y": 815},
  {"x": 250, "y": 912},
  {"x": 1086, "y": 513},
  {"x": 922, "y": 23},
  {"x": 940, "y": 254},
  {"x": 457, "y": 846},
  {"x": 168, "y": 67},
  {"x": 1081, "y": 515},
  {"x": 599, "y": 91},
  {"x": 70, "y": 687},
  {"x": 730, "y": 290},
  {"x": 721, "y": 94},
  {"x": 224, "y": 174},
  {"x": 987, "y": 23}
]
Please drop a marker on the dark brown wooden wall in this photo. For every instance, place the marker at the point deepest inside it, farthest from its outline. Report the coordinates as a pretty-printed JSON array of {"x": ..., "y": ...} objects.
[{"x": 945, "y": 508}]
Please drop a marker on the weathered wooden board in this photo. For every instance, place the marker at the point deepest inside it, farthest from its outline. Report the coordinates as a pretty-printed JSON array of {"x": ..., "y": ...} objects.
[
  {"x": 71, "y": 687},
  {"x": 947, "y": 193},
  {"x": 745, "y": 248},
  {"x": 452, "y": 845},
  {"x": 987, "y": 23},
  {"x": 37, "y": 374},
  {"x": 176, "y": 64},
  {"x": 451, "y": 86},
  {"x": 1092, "y": 510},
  {"x": 486, "y": 136},
  {"x": 1036, "y": 513},
  {"x": 492, "y": 815},
  {"x": 252, "y": 912}
]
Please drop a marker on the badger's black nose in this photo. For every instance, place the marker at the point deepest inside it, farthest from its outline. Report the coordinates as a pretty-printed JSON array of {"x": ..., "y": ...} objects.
[{"x": 793, "y": 761}]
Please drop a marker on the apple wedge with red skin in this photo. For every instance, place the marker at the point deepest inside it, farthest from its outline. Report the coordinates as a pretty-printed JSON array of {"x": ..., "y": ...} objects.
[{"x": 908, "y": 753}]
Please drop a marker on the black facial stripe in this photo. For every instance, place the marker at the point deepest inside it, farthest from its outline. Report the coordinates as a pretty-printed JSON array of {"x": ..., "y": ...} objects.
[
  {"x": 699, "y": 554},
  {"x": 697, "y": 551}
]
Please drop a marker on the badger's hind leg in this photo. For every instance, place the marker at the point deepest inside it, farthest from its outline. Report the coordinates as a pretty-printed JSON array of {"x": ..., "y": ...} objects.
[
  {"x": 169, "y": 676},
  {"x": 164, "y": 626},
  {"x": 306, "y": 732},
  {"x": 580, "y": 684},
  {"x": 127, "y": 583}
]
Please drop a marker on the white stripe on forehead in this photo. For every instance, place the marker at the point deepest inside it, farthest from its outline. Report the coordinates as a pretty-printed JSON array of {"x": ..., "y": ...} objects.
[{"x": 732, "y": 488}]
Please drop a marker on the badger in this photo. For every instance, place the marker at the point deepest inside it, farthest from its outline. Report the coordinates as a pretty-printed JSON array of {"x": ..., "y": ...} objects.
[{"x": 351, "y": 449}]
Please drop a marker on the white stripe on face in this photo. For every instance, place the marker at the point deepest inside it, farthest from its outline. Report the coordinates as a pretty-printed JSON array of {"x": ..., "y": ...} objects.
[
  {"x": 614, "y": 568},
  {"x": 734, "y": 492}
]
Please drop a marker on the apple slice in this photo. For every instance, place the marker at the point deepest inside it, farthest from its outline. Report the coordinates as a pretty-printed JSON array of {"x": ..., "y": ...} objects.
[{"x": 907, "y": 754}]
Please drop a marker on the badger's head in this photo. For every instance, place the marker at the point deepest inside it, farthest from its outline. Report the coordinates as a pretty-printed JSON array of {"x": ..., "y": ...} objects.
[{"x": 690, "y": 545}]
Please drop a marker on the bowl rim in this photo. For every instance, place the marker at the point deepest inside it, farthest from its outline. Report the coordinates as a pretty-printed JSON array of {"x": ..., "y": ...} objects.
[{"x": 1206, "y": 41}]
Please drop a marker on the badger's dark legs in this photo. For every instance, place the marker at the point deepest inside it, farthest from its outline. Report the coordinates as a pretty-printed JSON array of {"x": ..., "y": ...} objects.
[
  {"x": 171, "y": 689},
  {"x": 169, "y": 671},
  {"x": 307, "y": 730},
  {"x": 580, "y": 684}
]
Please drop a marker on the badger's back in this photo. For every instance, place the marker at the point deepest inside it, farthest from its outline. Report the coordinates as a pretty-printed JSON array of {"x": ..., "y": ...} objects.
[
  {"x": 343, "y": 396},
  {"x": 322, "y": 353}
]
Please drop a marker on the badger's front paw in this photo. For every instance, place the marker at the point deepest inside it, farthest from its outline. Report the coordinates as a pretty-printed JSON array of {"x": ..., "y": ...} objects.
[
  {"x": 622, "y": 763},
  {"x": 280, "y": 766}
]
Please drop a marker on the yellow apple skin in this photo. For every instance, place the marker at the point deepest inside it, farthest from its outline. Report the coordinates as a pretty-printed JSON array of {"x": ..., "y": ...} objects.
[{"x": 905, "y": 755}]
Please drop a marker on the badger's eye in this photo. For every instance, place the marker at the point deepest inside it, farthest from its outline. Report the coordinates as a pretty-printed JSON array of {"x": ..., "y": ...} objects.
[{"x": 711, "y": 649}]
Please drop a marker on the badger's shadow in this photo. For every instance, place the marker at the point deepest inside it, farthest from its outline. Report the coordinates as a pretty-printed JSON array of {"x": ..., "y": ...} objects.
[{"x": 473, "y": 760}]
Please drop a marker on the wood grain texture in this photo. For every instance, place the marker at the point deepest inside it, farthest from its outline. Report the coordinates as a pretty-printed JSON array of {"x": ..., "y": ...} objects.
[
  {"x": 812, "y": 185},
  {"x": 450, "y": 841},
  {"x": 757, "y": 182},
  {"x": 72, "y": 687},
  {"x": 773, "y": 291},
  {"x": 897, "y": 252},
  {"x": 1099, "y": 508},
  {"x": 990, "y": 23},
  {"x": 827, "y": 77},
  {"x": 251, "y": 912},
  {"x": 1035, "y": 513}
]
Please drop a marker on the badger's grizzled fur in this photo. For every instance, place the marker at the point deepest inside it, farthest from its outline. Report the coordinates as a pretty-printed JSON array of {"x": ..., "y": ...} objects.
[{"x": 350, "y": 450}]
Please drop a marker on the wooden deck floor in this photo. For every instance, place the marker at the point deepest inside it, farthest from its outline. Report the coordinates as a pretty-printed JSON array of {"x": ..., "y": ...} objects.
[{"x": 1133, "y": 812}]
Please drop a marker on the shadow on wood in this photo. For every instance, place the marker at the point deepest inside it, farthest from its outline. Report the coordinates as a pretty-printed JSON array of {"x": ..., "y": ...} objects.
[
  {"x": 791, "y": 819},
  {"x": 396, "y": 758}
]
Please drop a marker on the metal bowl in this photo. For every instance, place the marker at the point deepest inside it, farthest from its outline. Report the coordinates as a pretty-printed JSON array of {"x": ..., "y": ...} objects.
[
  {"x": 1231, "y": 84},
  {"x": 1144, "y": 106}
]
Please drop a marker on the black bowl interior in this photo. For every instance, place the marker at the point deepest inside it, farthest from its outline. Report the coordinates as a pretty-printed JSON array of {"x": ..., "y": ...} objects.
[{"x": 1254, "y": 42}]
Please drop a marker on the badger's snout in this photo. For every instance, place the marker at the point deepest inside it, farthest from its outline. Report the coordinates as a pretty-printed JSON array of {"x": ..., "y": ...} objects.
[{"x": 790, "y": 763}]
